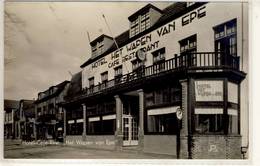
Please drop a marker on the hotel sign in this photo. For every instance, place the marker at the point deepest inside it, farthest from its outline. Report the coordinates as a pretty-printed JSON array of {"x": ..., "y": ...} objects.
[
  {"x": 209, "y": 90},
  {"x": 148, "y": 42}
]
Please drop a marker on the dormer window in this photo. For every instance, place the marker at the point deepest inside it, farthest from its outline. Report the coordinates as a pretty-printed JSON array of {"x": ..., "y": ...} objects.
[
  {"x": 135, "y": 27},
  {"x": 145, "y": 21},
  {"x": 140, "y": 23},
  {"x": 142, "y": 20},
  {"x": 101, "y": 44}
]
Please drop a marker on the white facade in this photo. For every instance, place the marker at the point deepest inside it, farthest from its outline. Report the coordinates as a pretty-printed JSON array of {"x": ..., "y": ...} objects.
[{"x": 170, "y": 34}]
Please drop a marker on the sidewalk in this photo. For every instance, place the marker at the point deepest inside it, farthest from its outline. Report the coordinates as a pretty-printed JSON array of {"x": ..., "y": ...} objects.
[{"x": 70, "y": 152}]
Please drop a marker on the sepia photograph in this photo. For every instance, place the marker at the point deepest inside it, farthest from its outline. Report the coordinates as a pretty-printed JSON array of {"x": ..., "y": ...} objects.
[{"x": 126, "y": 80}]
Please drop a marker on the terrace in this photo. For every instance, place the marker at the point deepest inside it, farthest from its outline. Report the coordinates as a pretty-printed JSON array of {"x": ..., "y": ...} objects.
[{"x": 190, "y": 62}]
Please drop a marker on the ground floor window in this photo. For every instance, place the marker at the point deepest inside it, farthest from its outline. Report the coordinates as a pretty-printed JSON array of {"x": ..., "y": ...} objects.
[
  {"x": 162, "y": 121},
  {"x": 109, "y": 126},
  {"x": 102, "y": 124},
  {"x": 74, "y": 127},
  {"x": 233, "y": 121},
  {"x": 211, "y": 120},
  {"x": 209, "y": 123}
]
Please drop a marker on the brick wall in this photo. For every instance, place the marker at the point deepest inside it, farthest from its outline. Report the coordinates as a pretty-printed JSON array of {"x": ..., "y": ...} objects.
[
  {"x": 216, "y": 147},
  {"x": 160, "y": 144}
]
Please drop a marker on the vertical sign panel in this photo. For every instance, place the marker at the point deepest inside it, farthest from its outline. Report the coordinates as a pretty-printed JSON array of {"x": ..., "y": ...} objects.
[{"x": 209, "y": 90}]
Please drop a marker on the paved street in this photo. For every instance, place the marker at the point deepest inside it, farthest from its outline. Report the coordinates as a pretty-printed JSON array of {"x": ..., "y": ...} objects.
[{"x": 69, "y": 152}]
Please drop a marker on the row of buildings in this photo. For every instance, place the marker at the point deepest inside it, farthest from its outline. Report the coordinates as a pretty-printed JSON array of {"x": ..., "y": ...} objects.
[{"x": 174, "y": 83}]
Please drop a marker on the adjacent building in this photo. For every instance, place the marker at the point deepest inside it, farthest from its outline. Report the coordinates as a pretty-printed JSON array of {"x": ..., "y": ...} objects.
[
  {"x": 10, "y": 107},
  {"x": 26, "y": 120},
  {"x": 48, "y": 113},
  {"x": 175, "y": 83}
]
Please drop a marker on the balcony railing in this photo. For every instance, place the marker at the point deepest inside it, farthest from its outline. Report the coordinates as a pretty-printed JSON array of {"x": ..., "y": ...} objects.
[{"x": 191, "y": 61}]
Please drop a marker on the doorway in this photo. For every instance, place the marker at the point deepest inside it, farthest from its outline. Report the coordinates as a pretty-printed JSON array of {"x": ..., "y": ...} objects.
[{"x": 130, "y": 120}]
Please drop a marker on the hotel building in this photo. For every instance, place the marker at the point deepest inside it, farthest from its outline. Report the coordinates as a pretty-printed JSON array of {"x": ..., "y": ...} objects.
[{"x": 175, "y": 83}]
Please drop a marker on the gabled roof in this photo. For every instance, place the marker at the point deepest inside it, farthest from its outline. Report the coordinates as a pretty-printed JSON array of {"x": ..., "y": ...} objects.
[
  {"x": 28, "y": 108},
  {"x": 148, "y": 6},
  {"x": 99, "y": 38},
  {"x": 169, "y": 13},
  {"x": 75, "y": 85},
  {"x": 60, "y": 88},
  {"x": 11, "y": 104}
]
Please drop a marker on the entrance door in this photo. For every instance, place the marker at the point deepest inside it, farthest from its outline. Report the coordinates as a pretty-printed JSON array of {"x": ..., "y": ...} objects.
[{"x": 130, "y": 131}]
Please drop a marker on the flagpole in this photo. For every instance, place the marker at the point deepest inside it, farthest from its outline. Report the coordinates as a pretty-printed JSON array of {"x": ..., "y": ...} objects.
[{"x": 110, "y": 31}]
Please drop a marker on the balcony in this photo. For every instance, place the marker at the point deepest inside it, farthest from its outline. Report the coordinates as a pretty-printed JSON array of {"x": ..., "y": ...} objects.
[{"x": 199, "y": 61}]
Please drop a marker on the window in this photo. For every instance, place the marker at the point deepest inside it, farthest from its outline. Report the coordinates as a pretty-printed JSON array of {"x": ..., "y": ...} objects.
[
  {"x": 159, "y": 55},
  {"x": 209, "y": 123},
  {"x": 211, "y": 120},
  {"x": 101, "y": 108},
  {"x": 162, "y": 123},
  {"x": 94, "y": 48},
  {"x": 39, "y": 111},
  {"x": 226, "y": 38},
  {"x": 91, "y": 82},
  {"x": 104, "y": 79},
  {"x": 188, "y": 44},
  {"x": 137, "y": 64},
  {"x": 166, "y": 95},
  {"x": 145, "y": 21},
  {"x": 118, "y": 71},
  {"x": 100, "y": 47},
  {"x": 233, "y": 121},
  {"x": 140, "y": 24},
  {"x": 158, "y": 60},
  {"x": 106, "y": 125},
  {"x": 44, "y": 110},
  {"x": 118, "y": 74}
]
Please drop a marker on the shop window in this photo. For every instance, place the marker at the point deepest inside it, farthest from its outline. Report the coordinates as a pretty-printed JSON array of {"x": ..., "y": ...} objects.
[
  {"x": 94, "y": 127},
  {"x": 108, "y": 126},
  {"x": 74, "y": 124},
  {"x": 233, "y": 121},
  {"x": 104, "y": 125},
  {"x": 166, "y": 123},
  {"x": 209, "y": 123},
  {"x": 226, "y": 38}
]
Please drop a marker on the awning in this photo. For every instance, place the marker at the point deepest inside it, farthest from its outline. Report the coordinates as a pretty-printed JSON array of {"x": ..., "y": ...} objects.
[
  {"x": 79, "y": 120},
  {"x": 232, "y": 112},
  {"x": 161, "y": 111},
  {"x": 71, "y": 121},
  {"x": 93, "y": 119},
  {"x": 109, "y": 117},
  {"x": 208, "y": 110}
]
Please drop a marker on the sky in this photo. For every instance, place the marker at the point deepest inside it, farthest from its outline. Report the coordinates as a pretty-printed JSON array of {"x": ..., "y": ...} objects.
[{"x": 46, "y": 42}]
